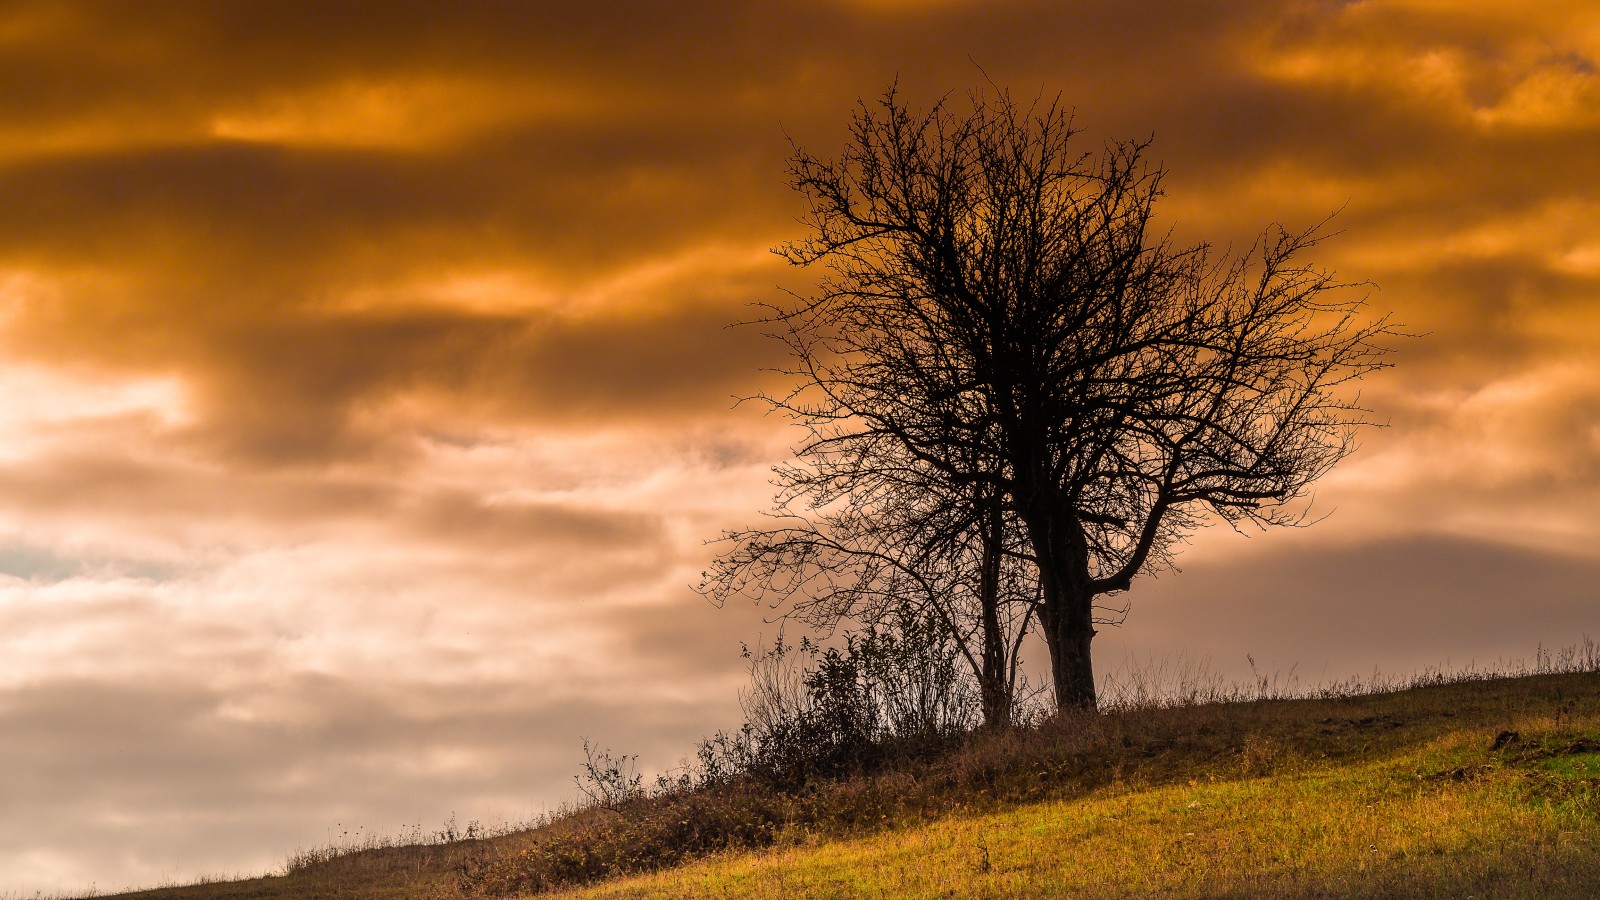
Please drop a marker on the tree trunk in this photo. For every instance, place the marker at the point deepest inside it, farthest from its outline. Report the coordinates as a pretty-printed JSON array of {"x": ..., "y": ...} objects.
[
  {"x": 994, "y": 682},
  {"x": 1068, "y": 637},
  {"x": 1066, "y": 611},
  {"x": 994, "y": 688}
]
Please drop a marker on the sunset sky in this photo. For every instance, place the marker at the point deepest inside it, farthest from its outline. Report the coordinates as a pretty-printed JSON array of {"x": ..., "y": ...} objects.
[{"x": 367, "y": 393}]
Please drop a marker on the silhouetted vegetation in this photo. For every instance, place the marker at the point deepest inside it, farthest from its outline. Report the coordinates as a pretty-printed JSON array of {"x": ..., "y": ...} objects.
[
  {"x": 823, "y": 772},
  {"x": 1500, "y": 765}
]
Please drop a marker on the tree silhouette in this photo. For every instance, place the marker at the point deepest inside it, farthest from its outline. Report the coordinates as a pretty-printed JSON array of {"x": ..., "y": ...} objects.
[{"x": 999, "y": 320}]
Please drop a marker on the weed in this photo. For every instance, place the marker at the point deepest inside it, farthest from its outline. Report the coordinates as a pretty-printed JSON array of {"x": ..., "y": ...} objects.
[{"x": 608, "y": 782}]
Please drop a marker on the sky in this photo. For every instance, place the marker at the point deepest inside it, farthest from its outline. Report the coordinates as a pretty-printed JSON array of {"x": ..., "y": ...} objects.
[{"x": 368, "y": 390}]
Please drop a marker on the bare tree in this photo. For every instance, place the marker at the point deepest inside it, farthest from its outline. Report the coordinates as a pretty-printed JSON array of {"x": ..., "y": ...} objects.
[{"x": 999, "y": 314}]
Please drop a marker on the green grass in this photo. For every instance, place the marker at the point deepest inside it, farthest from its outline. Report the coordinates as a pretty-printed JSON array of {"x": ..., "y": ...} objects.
[
  {"x": 1391, "y": 826},
  {"x": 1482, "y": 788}
]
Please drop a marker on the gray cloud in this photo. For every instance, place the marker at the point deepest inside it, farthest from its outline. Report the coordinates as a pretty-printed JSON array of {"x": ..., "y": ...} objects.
[
  {"x": 1334, "y": 612},
  {"x": 148, "y": 762}
]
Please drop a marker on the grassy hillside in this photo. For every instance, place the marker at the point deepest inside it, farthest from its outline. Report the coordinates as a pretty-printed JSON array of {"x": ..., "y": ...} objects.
[
  {"x": 1442, "y": 816},
  {"x": 1485, "y": 788}
]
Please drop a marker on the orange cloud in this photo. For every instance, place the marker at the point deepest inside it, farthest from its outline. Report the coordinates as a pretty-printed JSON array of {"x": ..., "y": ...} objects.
[{"x": 367, "y": 374}]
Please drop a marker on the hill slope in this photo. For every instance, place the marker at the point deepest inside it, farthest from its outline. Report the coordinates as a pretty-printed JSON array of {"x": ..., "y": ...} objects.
[{"x": 1480, "y": 788}]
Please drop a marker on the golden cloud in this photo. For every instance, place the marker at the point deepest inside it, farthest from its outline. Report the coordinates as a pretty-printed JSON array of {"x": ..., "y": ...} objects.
[{"x": 340, "y": 344}]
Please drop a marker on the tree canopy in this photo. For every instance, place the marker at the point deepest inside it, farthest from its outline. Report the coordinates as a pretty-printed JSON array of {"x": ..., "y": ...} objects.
[{"x": 1001, "y": 328}]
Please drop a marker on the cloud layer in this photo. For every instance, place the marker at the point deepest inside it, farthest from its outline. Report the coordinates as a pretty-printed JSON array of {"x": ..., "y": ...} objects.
[{"x": 368, "y": 384}]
